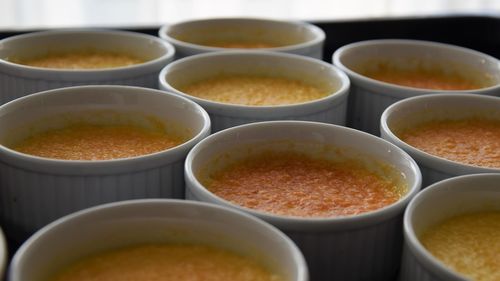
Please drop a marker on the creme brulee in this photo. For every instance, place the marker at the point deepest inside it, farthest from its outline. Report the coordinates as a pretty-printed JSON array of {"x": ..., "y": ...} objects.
[
  {"x": 82, "y": 60},
  {"x": 294, "y": 184},
  {"x": 254, "y": 90},
  {"x": 239, "y": 45},
  {"x": 468, "y": 244},
  {"x": 422, "y": 78},
  {"x": 164, "y": 262},
  {"x": 472, "y": 141},
  {"x": 96, "y": 142}
]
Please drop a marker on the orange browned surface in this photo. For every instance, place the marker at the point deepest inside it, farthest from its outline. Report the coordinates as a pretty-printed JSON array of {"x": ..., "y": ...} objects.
[
  {"x": 292, "y": 184},
  {"x": 471, "y": 141},
  {"x": 469, "y": 244},
  {"x": 82, "y": 60},
  {"x": 169, "y": 262},
  {"x": 254, "y": 90},
  {"x": 422, "y": 79},
  {"x": 94, "y": 142},
  {"x": 240, "y": 45}
]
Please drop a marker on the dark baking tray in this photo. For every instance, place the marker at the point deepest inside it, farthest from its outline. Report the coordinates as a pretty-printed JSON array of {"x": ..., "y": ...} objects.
[
  {"x": 478, "y": 32},
  {"x": 481, "y": 33}
]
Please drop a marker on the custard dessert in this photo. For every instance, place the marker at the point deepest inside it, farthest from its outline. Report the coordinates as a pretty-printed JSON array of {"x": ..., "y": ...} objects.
[
  {"x": 254, "y": 90},
  {"x": 472, "y": 141},
  {"x": 295, "y": 184},
  {"x": 434, "y": 77},
  {"x": 97, "y": 142},
  {"x": 468, "y": 244},
  {"x": 167, "y": 262},
  {"x": 81, "y": 60}
]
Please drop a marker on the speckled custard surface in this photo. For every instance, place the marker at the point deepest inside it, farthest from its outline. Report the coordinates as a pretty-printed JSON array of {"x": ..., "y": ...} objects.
[
  {"x": 425, "y": 75},
  {"x": 82, "y": 60},
  {"x": 469, "y": 244},
  {"x": 239, "y": 44},
  {"x": 167, "y": 262},
  {"x": 97, "y": 142},
  {"x": 295, "y": 184},
  {"x": 254, "y": 90},
  {"x": 474, "y": 141}
]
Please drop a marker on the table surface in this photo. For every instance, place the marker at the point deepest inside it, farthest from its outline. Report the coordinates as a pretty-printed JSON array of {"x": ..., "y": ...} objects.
[{"x": 41, "y": 14}]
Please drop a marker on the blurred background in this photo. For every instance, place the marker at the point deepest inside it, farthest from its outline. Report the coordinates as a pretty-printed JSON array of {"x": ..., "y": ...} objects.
[{"x": 36, "y": 14}]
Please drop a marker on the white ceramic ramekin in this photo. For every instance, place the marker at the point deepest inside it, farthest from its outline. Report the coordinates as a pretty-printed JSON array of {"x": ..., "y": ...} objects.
[
  {"x": 37, "y": 190},
  {"x": 330, "y": 109},
  {"x": 17, "y": 80},
  {"x": 411, "y": 111},
  {"x": 438, "y": 202},
  {"x": 360, "y": 247},
  {"x": 297, "y": 37},
  {"x": 369, "y": 97},
  {"x": 149, "y": 221}
]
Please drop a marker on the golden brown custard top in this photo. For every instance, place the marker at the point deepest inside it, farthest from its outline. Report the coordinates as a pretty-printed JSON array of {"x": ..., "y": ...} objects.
[
  {"x": 468, "y": 244},
  {"x": 254, "y": 90},
  {"x": 239, "y": 45},
  {"x": 422, "y": 78},
  {"x": 168, "y": 262},
  {"x": 294, "y": 184},
  {"x": 472, "y": 141},
  {"x": 97, "y": 142},
  {"x": 82, "y": 60}
]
